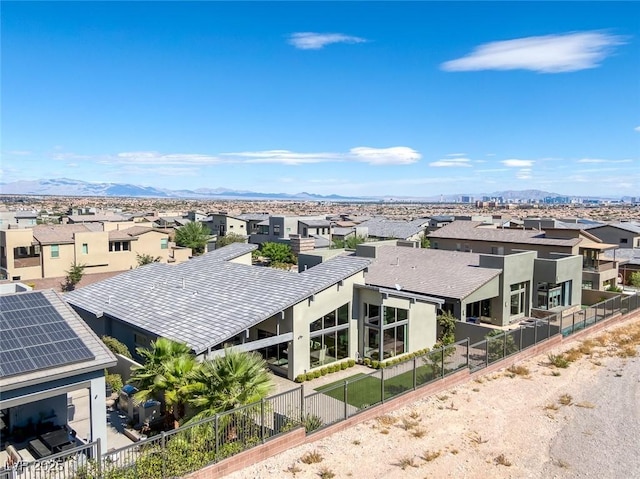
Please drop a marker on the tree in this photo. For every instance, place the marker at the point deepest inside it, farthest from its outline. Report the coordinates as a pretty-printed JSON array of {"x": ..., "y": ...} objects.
[
  {"x": 143, "y": 259},
  {"x": 227, "y": 382},
  {"x": 74, "y": 276},
  {"x": 175, "y": 381},
  {"x": 228, "y": 239},
  {"x": 635, "y": 279},
  {"x": 147, "y": 378},
  {"x": 350, "y": 242},
  {"x": 447, "y": 324},
  {"x": 193, "y": 235},
  {"x": 424, "y": 241},
  {"x": 278, "y": 253}
]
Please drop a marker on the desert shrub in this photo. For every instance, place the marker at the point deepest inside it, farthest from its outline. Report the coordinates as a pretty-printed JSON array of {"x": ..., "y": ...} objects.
[
  {"x": 558, "y": 360},
  {"x": 309, "y": 376},
  {"x": 352, "y": 363},
  {"x": 300, "y": 378},
  {"x": 324, "y": 371},
  {"x": 375, "y": 364},
  {"x": 344, "y": 365}
]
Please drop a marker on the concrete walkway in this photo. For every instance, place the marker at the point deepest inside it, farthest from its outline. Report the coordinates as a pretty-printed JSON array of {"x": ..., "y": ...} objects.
[{"x": 284, "y": 384}]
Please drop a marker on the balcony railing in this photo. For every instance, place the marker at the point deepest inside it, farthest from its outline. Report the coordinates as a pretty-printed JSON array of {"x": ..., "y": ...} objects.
[
  {"x": 26, "y": 262},
  {"x": 599, "y": 266}
]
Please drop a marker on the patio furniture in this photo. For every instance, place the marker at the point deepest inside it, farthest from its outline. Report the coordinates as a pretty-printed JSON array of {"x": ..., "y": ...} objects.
[
  {"x": 55, "y": 440},
  {"x": 39, "y": 449}
]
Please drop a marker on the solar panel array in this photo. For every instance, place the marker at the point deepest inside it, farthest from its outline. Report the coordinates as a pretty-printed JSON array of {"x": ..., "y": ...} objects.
[{"x": 34, "y": 336}]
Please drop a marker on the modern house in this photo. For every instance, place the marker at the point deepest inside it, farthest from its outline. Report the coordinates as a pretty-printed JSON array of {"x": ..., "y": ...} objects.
[
  {"x": 624, "y": 235},
  {"x": 18, "y": 219},
  {"x": 488, "y": 288},
  {"x": 598, "y": 272},
  {"x": 222, "y": 223},
  {"x": 48, "y": 251},
  {"x": 296, "y": 321},
  {"x": 384, "y": 229},
  {"x": 47, "y": 352},
  {"x": 280, "y": 229}
]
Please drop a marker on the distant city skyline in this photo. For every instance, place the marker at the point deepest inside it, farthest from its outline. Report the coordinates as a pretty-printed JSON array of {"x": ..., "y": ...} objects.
[{"x": 349, "y": 98}]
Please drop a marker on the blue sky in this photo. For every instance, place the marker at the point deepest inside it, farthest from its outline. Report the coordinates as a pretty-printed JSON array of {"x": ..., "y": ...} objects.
[{"x": 353, "y": 98}]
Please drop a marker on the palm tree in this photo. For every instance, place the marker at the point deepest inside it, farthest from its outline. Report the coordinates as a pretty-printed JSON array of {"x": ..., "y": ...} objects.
[
  {"x": 229, "y": 381},
  {"x": 193, "y": 235},
  {"x": 146, "y": 377},
  {"x": 175, "y": 381}
]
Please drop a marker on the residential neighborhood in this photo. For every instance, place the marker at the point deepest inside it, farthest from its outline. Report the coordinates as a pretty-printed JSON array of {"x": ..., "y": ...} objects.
[{"x": 375, "y": 303}]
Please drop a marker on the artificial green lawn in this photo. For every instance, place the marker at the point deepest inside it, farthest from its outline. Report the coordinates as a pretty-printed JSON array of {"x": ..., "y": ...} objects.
[{"x": 365, "y": 390}]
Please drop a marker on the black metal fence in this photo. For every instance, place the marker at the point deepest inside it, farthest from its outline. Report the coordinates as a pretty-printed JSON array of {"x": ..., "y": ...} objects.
[
  {"x": 338, "y": 402},
  {"x": 194, "y": 446}
]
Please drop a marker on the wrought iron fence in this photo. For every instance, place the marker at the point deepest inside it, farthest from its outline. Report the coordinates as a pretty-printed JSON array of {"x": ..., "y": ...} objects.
[
  {"x": 341, "y": 401},
  {"x": 192, "y": 447}
]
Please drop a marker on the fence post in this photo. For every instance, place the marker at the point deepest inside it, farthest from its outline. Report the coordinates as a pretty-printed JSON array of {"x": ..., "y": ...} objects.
[
  {"x": 535, "y": 333},
  {"x": 468, "y": 350},
  {"x": 99, "y": 456},
  {"x": 382, "y": 383},
  {"x": 486, "y": 352},
  {"x": 262, "y": 419},
  {"x": 216, "y": 424},
  {"x": 520, "y": 349},
  {"x": 346, "y": 409},
  {"x": 442, "y": 359},
  {"x": 415, "y": 373},
  {"x": 301, "y": 402},
  {"x": 163, "y": 447},
  {"x": 504, "y": 345}
]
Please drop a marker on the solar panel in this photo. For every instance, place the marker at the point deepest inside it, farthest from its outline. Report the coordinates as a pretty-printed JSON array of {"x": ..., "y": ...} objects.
[{"x": 34, "y": 336}]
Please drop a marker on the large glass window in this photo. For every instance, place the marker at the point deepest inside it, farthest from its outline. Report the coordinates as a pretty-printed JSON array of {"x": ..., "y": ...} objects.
[
  {"x": 329, "y": 337},
  {"x": 518, "y": 299},
  {"x": 393, "y": 331}
]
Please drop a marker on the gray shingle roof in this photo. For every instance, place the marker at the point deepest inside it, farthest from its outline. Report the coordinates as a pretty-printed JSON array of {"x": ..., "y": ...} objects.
[
  {"x": 623, "y": 255},
  {"x": 469, "y": 230},
  {"x": 207, "y": 300},
  {"x": 631, "y": 227},
  {"x": 386, "y": 228},
  {"x": 315, "y": 223},
  {"x": 448, "y": 274}
]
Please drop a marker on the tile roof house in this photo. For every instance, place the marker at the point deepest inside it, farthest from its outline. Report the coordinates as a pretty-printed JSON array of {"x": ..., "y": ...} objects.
[
  {"x": 496, "y": 289},
  {"x": 383, "y": 228},
  {"x": 624, "y": 234},
  {"x": 220, "y": 299},
  {"x": 48, "y": 251},
  {"x": 478, "y": 237},
  {"x": 47, "y": 352}
]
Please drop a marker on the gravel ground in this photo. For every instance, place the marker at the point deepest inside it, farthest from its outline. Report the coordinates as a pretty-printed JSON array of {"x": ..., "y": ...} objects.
[{"x": 502, "y": 425}]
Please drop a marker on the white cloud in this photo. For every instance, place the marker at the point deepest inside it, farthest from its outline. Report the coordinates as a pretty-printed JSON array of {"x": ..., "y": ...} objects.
[
  {"x": 316, "y": 41},
  {"x": 544, "y": 54},
  {"x": 637, "y": 128},
  {"x": 524, "y": 174},
  {"x": 283, "y": 157},
  {"x": 452, "y": 163},
  {"x": 513, "y": 163},
  {"x": 19, "y": 152},
  {"x": 457, "y": 154},
  {"x": 155, "y": 158},
  {"x": 397, "y": 155},
  {"x": 600, "y": 160}
]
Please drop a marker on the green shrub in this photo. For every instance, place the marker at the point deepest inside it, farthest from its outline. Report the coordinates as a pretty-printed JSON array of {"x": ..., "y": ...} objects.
[
  {"x": 344, "y": 365},
  {"x": 300, "y": 378},
  {"x": 317, "y": 373},
  {"x": 367, "y": 361},
  {"x": 352, "y": 362},
  {"x": 115, "y": 346},
  {"x": 375, "y": 364},
  {"x": 311, "y": 422},
  {"x": 309, "y": 376},
  {"x": 324, "y": 371},
  {"x": 114, "y": 380}
]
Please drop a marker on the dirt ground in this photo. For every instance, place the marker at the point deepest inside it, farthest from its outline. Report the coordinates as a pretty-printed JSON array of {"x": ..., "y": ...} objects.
[{"x": 535, "y": 420}]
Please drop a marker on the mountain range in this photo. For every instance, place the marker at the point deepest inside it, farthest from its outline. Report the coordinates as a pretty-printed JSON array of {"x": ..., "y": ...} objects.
[{"x": 70, "y": 187}]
